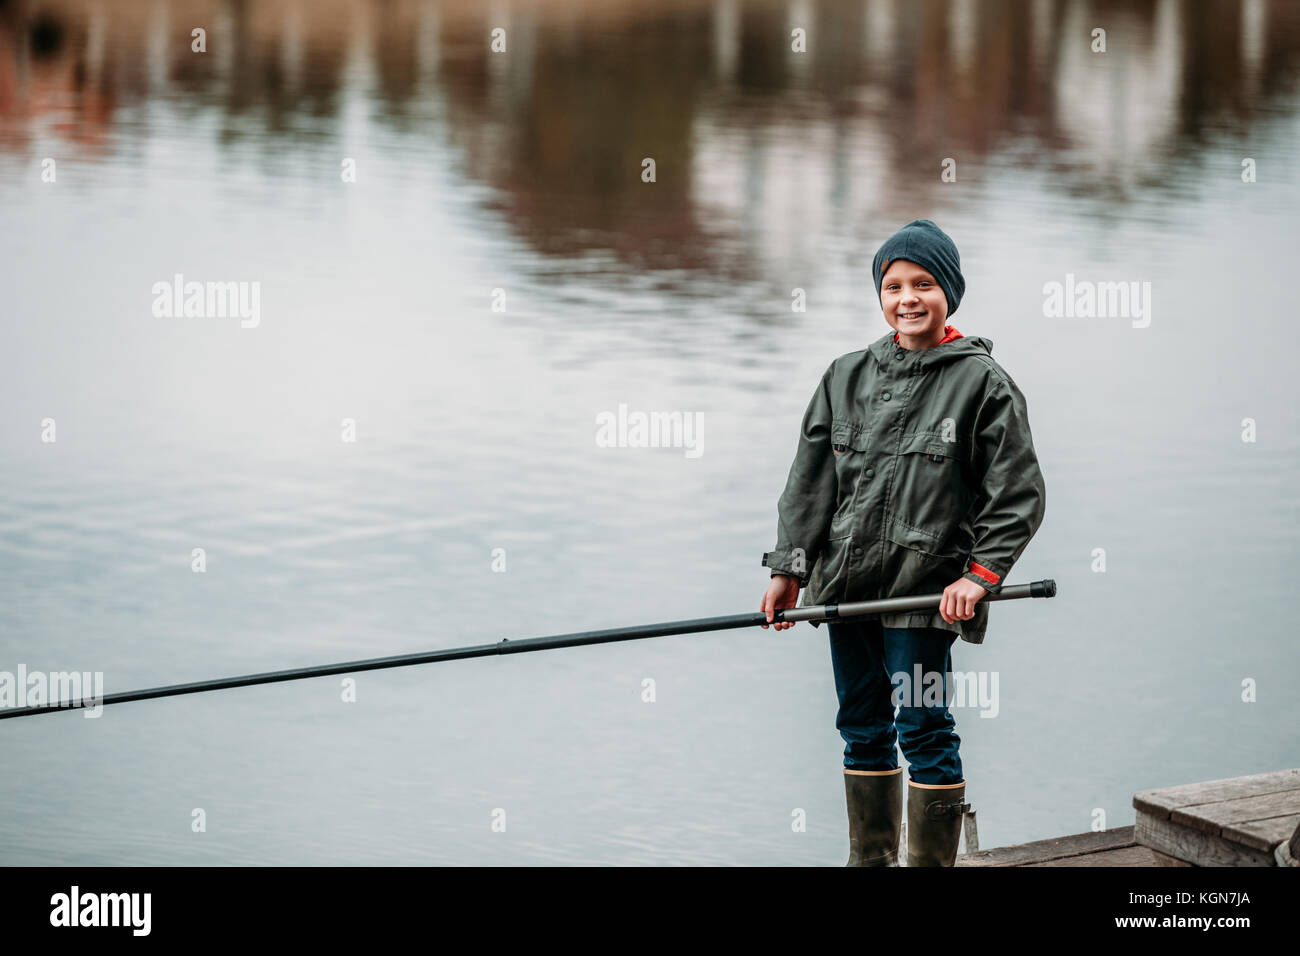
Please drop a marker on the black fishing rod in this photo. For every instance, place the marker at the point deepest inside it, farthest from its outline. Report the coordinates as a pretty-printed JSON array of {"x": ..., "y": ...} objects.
[{"x": 820, "y": 612}]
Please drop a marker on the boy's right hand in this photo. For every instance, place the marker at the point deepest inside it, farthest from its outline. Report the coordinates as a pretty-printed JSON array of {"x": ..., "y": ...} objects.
[{"x": 782, "y": 593}]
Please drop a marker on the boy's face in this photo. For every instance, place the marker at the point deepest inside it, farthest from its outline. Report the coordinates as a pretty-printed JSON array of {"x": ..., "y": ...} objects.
[{"x": 914, "y": 304}]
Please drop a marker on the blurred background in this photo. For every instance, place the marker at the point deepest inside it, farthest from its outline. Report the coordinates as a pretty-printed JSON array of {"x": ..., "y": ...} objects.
[{"x": 520, "y": 171}]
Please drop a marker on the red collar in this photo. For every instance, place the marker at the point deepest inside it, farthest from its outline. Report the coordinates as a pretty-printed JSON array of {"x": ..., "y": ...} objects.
[{"x": 949, "y": 334}]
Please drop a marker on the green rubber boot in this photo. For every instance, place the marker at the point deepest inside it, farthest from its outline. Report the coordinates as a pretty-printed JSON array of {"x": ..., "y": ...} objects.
[
  {"x": 934, "y": 816},
  {"x": 875, "y": 801}
]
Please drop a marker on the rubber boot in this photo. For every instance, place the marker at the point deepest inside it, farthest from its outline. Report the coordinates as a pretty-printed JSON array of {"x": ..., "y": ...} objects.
[
  {"x": 934, "y": 817},
  {"x": 875, "y": 801}
]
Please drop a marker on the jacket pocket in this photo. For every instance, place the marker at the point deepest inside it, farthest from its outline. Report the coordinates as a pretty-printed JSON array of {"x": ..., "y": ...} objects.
[
  {"x": 830, "y": 573},
  {"x": 849, "y": 442},
  {"x": 847, "y": 436},
  {"x": 929, "y": 496}
]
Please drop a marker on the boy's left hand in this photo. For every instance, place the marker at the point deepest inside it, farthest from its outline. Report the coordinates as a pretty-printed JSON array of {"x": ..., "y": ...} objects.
[{"x": 959, "y": 600}]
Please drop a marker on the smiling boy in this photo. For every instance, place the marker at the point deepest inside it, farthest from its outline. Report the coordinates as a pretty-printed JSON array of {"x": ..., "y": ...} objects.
[{"x": 915, "y": 473}]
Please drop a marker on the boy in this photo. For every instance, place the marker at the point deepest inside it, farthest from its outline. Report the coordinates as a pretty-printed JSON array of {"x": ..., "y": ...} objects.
[{"x": 915, "y": 473}]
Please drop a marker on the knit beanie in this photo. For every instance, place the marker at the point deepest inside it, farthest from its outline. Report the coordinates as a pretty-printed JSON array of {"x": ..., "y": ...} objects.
[{"x": 924, "y": 243}]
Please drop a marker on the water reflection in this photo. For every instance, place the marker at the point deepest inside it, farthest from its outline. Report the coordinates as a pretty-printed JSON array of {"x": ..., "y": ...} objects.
[{"x": 743, "y": 131}]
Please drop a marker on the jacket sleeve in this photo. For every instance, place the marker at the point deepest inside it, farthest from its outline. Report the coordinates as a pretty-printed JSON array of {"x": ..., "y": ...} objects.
[
  {"x": 806, "y": 505},
  {"x": 1012, "y": 497}
]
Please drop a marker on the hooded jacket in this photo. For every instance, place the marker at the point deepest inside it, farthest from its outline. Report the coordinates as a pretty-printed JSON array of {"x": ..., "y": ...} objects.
[{"x": 914, "y": 468}]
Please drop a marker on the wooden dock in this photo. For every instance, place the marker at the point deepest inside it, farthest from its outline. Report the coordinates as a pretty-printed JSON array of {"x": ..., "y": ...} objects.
[
  {"x": 1105, "y": 848},
  {"x": 1241, "y": 821}
]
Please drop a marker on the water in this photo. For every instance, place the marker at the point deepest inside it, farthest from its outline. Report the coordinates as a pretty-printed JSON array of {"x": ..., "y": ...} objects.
[{"x": 521, "y": 172}]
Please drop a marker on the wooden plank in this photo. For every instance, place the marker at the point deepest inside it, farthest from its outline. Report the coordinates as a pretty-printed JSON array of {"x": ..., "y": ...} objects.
[
  {"x": 1215, "y": 817},
  {"x": 1124, "y": 856},
  {"x": 1164, "y": 859},
  {"x": 1195, "y": 846},
  {"x": 1024, "y": 854},
  {"x": 1263, "y": 834},
  {"x": 970, "y": 833},
  {"x": 1164, "y": 800}
]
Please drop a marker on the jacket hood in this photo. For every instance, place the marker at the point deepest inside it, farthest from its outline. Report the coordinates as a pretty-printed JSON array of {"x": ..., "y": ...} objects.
[{"x": 964, "y": 347}]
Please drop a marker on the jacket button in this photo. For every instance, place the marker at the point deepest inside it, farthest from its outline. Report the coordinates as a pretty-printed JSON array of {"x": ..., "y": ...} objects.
[
  {"x": 857, "y": 552},
  {"x": 885, "y": 396},
  {"x": 898, "y": 354},
  {"x": 870, "y": 473}
]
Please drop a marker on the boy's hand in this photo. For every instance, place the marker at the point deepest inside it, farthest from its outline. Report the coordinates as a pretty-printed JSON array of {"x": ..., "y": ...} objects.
[
  {"x": 782, "y": 593},
  {"x": 959, "y": 600}
]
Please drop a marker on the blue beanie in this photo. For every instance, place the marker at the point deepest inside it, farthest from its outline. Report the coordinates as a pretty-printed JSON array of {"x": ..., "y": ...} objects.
[{"x": 924, "y": 243}]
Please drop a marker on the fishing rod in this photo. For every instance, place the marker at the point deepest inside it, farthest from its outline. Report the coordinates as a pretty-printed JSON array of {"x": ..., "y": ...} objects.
[{"x": 819, "y": 612}]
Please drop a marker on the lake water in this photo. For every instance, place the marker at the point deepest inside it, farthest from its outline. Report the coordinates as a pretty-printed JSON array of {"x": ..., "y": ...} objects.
[{"x": 498, "y": 276}]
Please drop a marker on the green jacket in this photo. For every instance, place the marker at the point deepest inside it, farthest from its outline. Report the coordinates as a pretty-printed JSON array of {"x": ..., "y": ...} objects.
[{"x": 914, "y": 468}]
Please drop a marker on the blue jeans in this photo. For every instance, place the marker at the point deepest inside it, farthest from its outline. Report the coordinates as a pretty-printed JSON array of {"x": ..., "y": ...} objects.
[{"x": 866, "y": 656}]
